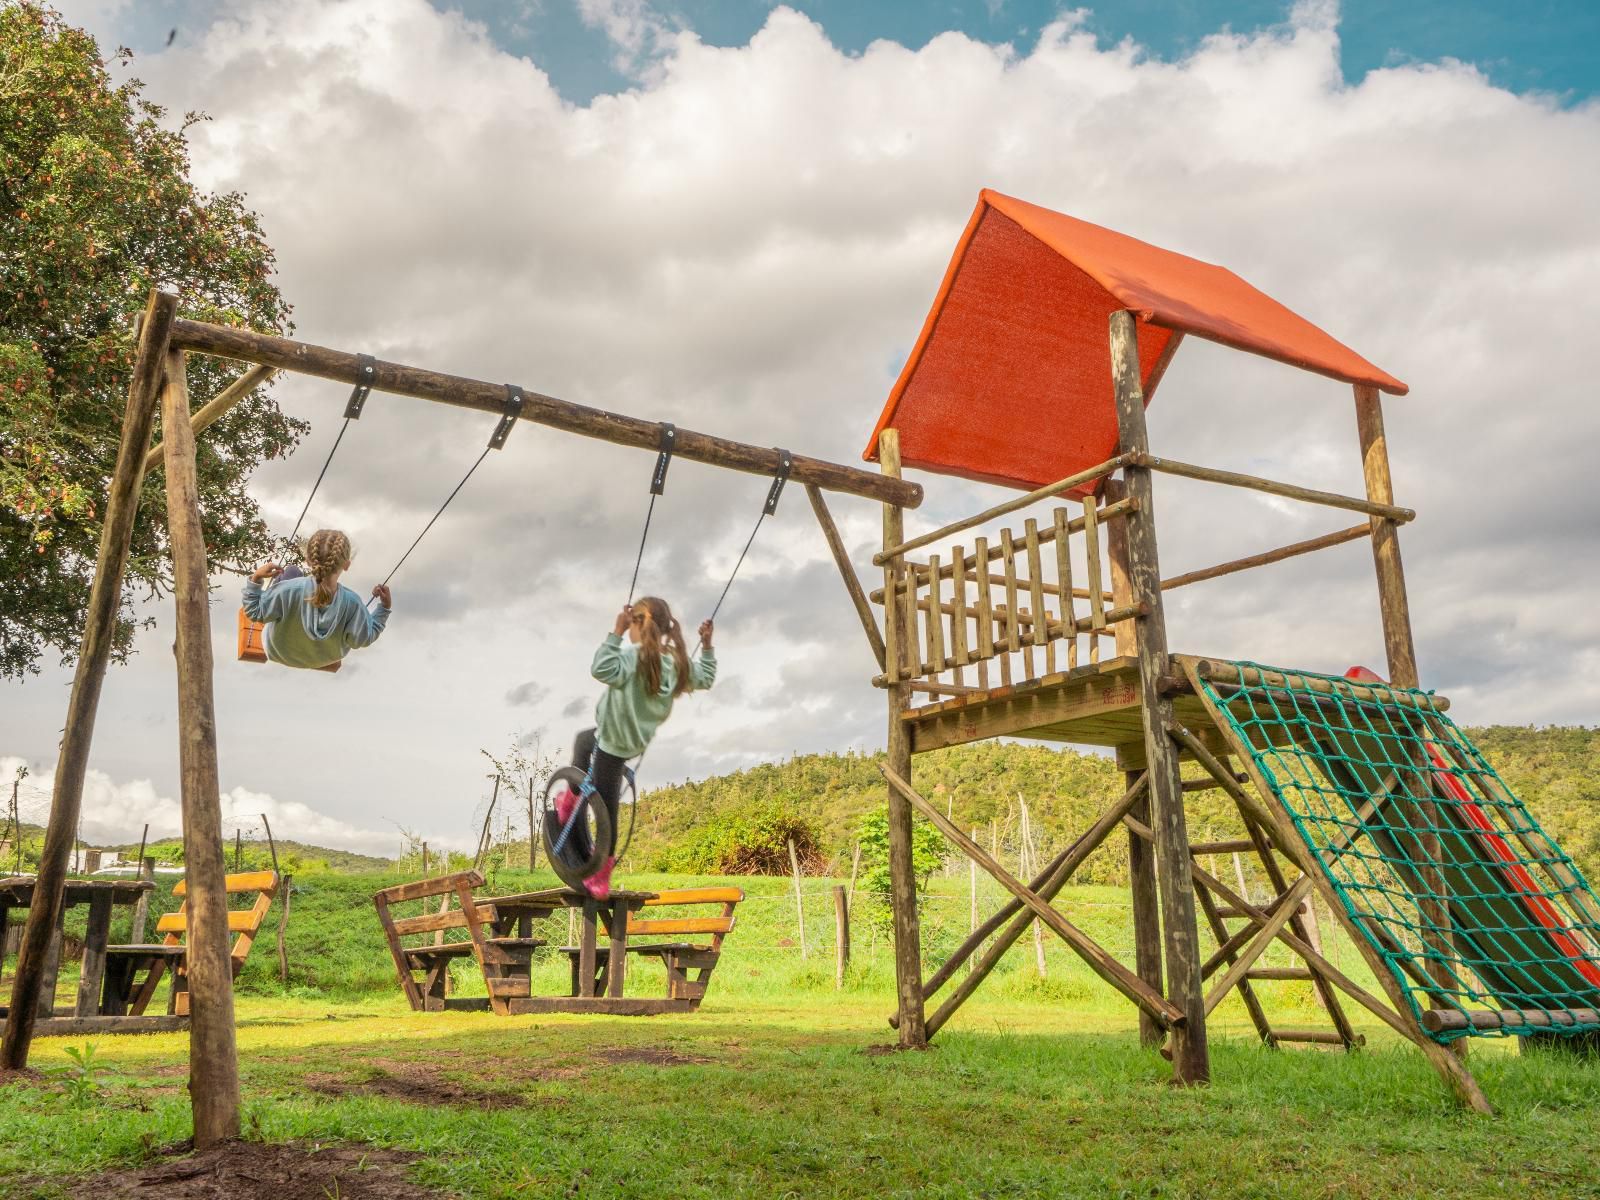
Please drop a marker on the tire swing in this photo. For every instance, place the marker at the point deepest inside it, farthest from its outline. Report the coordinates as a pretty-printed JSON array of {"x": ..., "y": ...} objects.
[{"x": 578, "y": 845}]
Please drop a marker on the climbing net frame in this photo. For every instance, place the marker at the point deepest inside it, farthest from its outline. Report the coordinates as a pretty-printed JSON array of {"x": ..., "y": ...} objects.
[{"x": 1487, "y": 925}]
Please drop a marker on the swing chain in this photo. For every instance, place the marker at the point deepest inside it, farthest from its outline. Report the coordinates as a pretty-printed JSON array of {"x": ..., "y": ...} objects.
[
  {"x": 513, "y": 410},
  {"x": 366, "y": 371}
]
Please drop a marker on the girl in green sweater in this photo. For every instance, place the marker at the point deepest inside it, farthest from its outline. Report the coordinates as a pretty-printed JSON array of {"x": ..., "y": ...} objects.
[{"x": 643, "y": 678}]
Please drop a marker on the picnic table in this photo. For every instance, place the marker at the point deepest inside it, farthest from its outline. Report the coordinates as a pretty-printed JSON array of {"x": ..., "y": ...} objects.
[
  {"x": 515, "y": 915},
  {"x": 101, "y": 895}
]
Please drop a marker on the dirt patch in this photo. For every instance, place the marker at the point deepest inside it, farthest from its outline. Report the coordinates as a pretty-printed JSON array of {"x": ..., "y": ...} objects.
[
  {"x": 252, "y": 1171},
  {"x": 413, "y": 1085},
  {"x": 650, "y": 1056},
  {"x": 883, "y": 1048},
  {"x": 27, "y": 1076}
]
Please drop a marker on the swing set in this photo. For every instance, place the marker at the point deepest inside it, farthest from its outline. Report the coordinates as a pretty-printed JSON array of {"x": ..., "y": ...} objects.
[{"x": 164, "y": 341}]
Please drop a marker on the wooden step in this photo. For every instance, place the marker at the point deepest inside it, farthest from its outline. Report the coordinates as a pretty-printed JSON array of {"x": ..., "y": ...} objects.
[
  {"x": 1320, "y": 1037},
  {"x": 1261, "y": 974},
  {"x": 1234, "y": 846}
]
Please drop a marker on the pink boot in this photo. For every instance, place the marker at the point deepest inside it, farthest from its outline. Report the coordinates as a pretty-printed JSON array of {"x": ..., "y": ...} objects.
[
  {"x": 598, "y": 885},
  {"x": 565, "y": 803}
]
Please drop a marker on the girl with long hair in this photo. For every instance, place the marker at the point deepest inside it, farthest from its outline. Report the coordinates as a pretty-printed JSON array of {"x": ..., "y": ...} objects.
[
  {"x": 643, "y": 678},
  {"x": 312, "y": 620}
]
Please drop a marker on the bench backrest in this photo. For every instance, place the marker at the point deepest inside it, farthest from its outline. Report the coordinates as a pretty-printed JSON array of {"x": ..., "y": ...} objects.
[
  {"x": 465, "y": 915},
  {"x": 245, "y": 922},
  {"x": 718, "y": 926}
]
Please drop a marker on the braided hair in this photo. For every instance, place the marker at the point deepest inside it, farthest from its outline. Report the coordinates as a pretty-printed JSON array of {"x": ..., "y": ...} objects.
[{"x": 327, "y": 554}]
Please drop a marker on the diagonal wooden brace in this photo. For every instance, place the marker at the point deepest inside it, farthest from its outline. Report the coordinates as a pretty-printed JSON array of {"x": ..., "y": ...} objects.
[
  {"x": 1100, "y": 962},
  {"x": 1266, "y": 934}
]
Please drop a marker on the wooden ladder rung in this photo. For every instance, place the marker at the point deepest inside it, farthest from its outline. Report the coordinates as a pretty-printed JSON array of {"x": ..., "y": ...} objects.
[
  {"x": 1261, "y": 974},
  {"x": 1320, "y": 1037},
  {"x": 1236, "y": 846}
]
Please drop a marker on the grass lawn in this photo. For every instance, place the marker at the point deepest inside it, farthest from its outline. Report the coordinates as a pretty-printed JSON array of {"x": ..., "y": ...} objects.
[
  {"x": 764, "y": 1098},
  {"x": 779, "y": 1085}
]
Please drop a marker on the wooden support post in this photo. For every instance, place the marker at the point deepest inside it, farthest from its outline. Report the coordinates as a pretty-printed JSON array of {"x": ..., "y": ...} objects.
[
  {"x": 213, "y": 1055},
  {"x": 94, "y": 653},
  {"x": 93, "y": 972},
  {"x": 903, "y": 882},
  {"x": 1146, "y": 910},
  {"x": 1191, "y": 1061},
  {"x": 1392, "y": 601},
  {"x": 841, "y": 935},
  {"x": 286, "y": 890},
  {"x": 141, "y": 906}
]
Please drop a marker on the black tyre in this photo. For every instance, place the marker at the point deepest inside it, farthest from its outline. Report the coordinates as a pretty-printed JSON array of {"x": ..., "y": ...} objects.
[{"x": 588, "y": 842}]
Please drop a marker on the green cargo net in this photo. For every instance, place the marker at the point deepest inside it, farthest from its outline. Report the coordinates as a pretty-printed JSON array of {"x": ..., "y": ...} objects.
[{"x": 1488, "y": 927}]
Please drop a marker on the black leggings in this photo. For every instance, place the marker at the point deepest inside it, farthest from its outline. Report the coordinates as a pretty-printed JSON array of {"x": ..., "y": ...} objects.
[{"x": 605, "y": 772}]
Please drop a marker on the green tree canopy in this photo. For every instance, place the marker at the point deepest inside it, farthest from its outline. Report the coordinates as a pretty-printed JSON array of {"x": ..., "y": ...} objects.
[{"x": 96, "y": 208}]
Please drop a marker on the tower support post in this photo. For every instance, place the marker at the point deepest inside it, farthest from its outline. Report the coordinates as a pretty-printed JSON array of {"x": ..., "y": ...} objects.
[{"x": 1191, "y": 1061}]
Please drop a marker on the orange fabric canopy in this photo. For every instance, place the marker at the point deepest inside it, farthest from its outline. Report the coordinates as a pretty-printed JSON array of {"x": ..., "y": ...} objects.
[{"x": 1010, "y": 380}]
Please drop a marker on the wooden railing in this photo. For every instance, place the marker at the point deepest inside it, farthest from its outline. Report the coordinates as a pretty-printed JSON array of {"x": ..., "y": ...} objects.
[{"x": 1019, "y": 604}]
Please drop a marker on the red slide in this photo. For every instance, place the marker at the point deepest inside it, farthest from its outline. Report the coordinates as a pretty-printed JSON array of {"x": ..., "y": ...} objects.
[{"x": 1499, "y": 850}]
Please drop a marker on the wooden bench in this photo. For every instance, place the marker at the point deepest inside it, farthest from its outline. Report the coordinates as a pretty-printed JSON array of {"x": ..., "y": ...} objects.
[
  {"x": 127, "y": 994},
  {"x": 678, "y": 957},
  {"x": 424, "y": 968}
]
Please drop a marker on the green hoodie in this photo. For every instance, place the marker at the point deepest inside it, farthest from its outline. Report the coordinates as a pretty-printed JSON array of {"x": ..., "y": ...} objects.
[{"x": 627, "y": 716}]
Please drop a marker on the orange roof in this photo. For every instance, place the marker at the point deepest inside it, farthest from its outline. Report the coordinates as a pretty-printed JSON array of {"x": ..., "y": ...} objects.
[{"x": 1010, "y": 380}]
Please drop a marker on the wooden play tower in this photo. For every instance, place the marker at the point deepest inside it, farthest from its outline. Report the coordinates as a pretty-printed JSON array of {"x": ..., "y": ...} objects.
[{"x": 1047, "y": 340}]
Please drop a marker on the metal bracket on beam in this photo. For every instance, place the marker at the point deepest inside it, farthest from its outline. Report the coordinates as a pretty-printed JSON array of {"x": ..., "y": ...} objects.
[
  {"x": 514, "y": 403},
  {"x": 669, "y": 440},
  {"x": 779, "y": 478},
  {"x": 366, "y": 371}
]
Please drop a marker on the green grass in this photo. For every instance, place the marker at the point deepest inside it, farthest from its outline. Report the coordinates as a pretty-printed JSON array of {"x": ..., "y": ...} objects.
[{"x": 1037, "y": 1088}]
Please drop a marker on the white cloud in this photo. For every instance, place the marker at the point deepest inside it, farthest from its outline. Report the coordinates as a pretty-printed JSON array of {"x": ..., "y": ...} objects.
[{"x": 746, "y": 244}]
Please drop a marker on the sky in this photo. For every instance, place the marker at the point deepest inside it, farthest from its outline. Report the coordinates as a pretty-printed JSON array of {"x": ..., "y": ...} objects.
[{"x": 735, "y": 217}]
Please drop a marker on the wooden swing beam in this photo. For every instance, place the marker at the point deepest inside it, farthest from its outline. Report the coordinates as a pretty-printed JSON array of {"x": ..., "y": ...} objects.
[{"x": 285, "y": 354}]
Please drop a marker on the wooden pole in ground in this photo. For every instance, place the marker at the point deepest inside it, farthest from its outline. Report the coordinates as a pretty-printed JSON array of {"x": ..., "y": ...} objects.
[
  {"x": 903, "y": 882},
  {"x": 213, "y": 1054},
  {"x": 533, "y": 831},
  {"x": 141, "y": 906},
  {"x": 799, "y": 904},
  {"x": 94, "y": 653},
  {"x": 841, "y": 936},
  {"x": 1191, "y": 1061}
]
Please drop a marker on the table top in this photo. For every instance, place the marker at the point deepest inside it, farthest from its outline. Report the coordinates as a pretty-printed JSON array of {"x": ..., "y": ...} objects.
[
  {"x": 551, "y": 898},
  {"x": 18, "y": 889}
]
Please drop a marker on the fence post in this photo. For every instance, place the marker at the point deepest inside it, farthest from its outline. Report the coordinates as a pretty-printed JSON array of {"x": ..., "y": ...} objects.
[
  {"x": 799, "y": 905},
  {"x": 287, "y": 887},
  {"x": 841, "y": 935},
  {"x": 141, "y": 906}
]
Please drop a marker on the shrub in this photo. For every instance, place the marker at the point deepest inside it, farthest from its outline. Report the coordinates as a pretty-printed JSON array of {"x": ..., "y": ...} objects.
[{"x": 752, "y": 842}]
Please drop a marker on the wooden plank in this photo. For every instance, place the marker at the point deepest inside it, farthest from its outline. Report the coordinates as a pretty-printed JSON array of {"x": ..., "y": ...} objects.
[
  {"x": 1069, "y": 608},
  {"x": 213, "y": 1055},
  {"x": 1041, "y": 618},
  {"x": 1191, "y": 1061},
  {"x": 94, "y": 654},
  {"x": 1013, "y": 641},
  {"x": 985, "y": 604},
  {"x": 999, "y": 510},
  {"x": 1100, "y": 962},
  {"x": 401, "y": 964},
  {"x": 217, "y": 407},
  {"x": 958, "y": 623},
  {"x": 1289, "y": 491},
  {"x": 705, "y": 895},
  {"x": 286, "y": 354},
  {"x": 240, "y": 920},
  {"x": 1096, "y": 582},
  {"x": 1146, "y": 910},
  {"x": 935, "y": 619},
  {"x": 82, "y": 1026},
  {"x": 453, "y": 919},
  {"x": 1276, "y": 920},
  {"x": 680, "y": 925},
  {"x": 847, "y": 571},
  {"x": 244, "y": 881},
  {"x": 1127, "y": 640},
  {"x": 1087, "y": 696},
  {"x": 436, "y": 886},
  {"x": 1236, "y": 565},
  {"x": 617, "y": 927},
  {"x": 902, "y": 871}
]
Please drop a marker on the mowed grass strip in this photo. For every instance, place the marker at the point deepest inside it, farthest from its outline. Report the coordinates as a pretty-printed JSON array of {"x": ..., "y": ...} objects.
[{"x": 765, "y": 1098}]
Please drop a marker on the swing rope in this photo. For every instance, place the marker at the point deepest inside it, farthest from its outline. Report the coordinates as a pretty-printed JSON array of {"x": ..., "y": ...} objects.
[
  {"x": 779, "y": 478},
  {"x": 366, "y": 368},
  {"x": 658, "y": 484}
]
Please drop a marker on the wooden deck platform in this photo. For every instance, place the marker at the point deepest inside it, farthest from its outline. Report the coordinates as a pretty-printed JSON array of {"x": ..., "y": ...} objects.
[{"x": 1095, "y": 705}]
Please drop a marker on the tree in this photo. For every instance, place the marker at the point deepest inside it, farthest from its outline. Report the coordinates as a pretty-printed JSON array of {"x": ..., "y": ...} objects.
[{"x": 96, "y": 208}]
